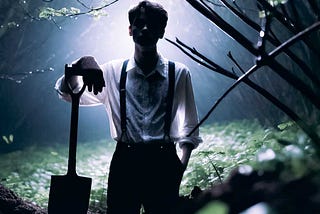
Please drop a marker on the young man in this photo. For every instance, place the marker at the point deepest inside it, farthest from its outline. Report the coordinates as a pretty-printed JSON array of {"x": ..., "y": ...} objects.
[{"x": 150, "y": 105}]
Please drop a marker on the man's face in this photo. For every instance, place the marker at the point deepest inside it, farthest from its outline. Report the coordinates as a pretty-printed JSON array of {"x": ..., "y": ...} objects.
[{"x": 145, "y": 30}]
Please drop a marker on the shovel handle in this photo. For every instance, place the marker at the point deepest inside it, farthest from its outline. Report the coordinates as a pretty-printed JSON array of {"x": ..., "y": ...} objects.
[
  {"x": 70, "y": 71},
  {"x": 75, "y": 98}
]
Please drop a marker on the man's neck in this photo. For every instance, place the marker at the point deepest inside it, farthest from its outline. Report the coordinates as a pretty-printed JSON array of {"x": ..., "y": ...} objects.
[{"x": 146, "y": 59}]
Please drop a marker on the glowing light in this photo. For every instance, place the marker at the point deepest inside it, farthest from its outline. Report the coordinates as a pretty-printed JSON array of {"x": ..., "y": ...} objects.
[
  {"x": 245, "y": 169},
  {"x": 266, "y": 155}
]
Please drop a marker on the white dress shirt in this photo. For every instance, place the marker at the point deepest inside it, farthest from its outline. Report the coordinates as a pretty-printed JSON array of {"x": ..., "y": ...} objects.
[{"x": 146, "y": 101}]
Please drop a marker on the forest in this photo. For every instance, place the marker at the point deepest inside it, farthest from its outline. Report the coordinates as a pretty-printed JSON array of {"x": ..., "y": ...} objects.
[{"x": 255, "y": 68}]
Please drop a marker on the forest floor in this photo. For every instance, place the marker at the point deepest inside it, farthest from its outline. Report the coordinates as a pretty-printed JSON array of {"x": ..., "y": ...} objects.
[{"x": 239, "y": 166}]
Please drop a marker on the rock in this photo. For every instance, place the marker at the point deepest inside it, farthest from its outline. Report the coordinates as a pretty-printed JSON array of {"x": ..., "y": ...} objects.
[{"x": 10, "y": 203}]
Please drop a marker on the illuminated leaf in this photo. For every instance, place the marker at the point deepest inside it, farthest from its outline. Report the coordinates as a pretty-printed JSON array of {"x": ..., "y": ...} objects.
[
  {"x": 5, "y": 139},
  {"x": 11, "y": 138},
  {"x": 216, "y": 207}
]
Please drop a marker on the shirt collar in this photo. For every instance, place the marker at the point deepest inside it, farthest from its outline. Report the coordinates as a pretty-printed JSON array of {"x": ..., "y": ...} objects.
[{"x": 162, "y": 62}]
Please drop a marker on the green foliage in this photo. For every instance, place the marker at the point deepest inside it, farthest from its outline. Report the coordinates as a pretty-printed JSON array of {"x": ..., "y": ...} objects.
[
  {"x": 28, "y": 172},
  {"x": 8, "y": 139},
  {"x": 247, "y": 145},
  {"x": 286, "y": 125},
  {"x": 276, "y": 2},
  {"x": 215, "y": 207},
  {"x": 48, "y": 12},
  {"x": 243, "y": 144}
]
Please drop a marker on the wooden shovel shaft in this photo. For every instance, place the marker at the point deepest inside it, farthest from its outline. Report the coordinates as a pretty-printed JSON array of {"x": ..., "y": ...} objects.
[
  {"x": 75, "y": 98},
  {"x": 73, "y": 135},
  {"x": 70, "y": 194}
]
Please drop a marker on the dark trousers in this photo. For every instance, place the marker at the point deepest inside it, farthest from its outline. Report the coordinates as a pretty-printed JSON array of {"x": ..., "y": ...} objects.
[{"x": 148, "y": 175}]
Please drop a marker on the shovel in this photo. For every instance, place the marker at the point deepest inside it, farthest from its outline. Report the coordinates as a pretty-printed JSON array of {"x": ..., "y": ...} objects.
[{"x": 70, "y": 193}]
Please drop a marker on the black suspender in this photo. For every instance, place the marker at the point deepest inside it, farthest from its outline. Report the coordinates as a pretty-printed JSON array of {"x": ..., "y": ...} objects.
[
  {"x": 122, "y": 88},
  {"x": 170, "y": 95},
  {"x": 167, "y": 123}
]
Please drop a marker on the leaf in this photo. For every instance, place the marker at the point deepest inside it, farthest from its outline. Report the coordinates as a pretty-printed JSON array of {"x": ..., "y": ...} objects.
[
  {"x": 54, "y": 153},
  {"x": 276, "y": 2},
  {"x": 216, "y": 207},
  {"x": 12, "y": 25},
  {"x": 6, "y": 139},
  {"x": 74, "y": 10},
  {"x": 11, "y": 138},
  {"x": 48, "y": 12},
  {"x": 266, "y": 155},
  {"x": 286, "y": 125}
]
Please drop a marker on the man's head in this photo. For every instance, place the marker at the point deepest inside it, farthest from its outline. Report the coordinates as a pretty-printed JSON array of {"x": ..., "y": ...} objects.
[{"x": 147, "y": 22}]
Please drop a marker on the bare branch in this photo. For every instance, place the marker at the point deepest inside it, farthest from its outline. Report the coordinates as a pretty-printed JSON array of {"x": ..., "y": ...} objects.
[
  {"x": 83, "y": 4},
  {"x": 251, "y": 84},
  {"x": 305, "y": 127},
  {"x": 235, "y": 62},
  {"x": 224, "y": 26},
  {"x": 192, "y": 57},
  {"x": 91, "y": 9},
  {"x": 284, "y": 20},
  {"x": 18, "y": 77},
  {"x": 272, "y": 38},
  {"x": 260, "y": 52}
]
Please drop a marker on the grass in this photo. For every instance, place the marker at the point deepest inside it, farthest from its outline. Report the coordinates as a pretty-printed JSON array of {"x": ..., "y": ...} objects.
[
  {"x": 248, "y": 145},
  {"x": 28, "y": 172},
  {"x": 243, "y": 144}
]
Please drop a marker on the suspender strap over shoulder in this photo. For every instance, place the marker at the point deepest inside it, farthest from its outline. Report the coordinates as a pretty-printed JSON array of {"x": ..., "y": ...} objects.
[
  {"x": 170, "y": 95},
  {"x": 122, "y": 88}
]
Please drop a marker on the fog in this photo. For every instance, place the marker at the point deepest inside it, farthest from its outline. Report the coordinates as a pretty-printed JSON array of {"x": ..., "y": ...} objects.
[{"x": 34, "y": 51}]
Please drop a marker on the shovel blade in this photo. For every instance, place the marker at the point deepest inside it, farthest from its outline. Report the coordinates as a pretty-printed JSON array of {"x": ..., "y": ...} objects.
[{"x": 69, "y": 194}]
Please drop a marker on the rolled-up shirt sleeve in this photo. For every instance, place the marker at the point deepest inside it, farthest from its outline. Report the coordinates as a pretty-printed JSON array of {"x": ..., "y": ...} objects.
[
  {"x": 184, "y": 112},
  {"x": 87, "y": 98},
  {"x": 186, "y": 116}
]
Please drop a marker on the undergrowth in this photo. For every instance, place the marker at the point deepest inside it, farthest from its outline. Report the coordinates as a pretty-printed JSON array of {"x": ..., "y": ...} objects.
[
  {"x": 249, "y": 146},
  {"x": 243, "y": 144}
]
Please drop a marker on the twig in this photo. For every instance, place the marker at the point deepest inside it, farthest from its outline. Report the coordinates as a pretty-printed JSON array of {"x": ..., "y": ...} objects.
[
  {"x": 305, "y": 68},
  {"x": 235, "y": 62},
  {"x": 219, "y": 69},
  {"x": 285, "y": 12},
  {"x": 284, "y": 21},
  {"x": 306, "y": 128},
  {"x": 83, "y": 4},
  {"x": 192, "y": 57},
  {"x": 232, "y": 75},
  {"x": 224, "y": 26},
  {"x": 254, "y": 86},
  {"x": 229, "y": 30},
  {"x": 91, "y": 9},
  {"x": 240, "y": 15},
  {"x": 314, "y": 7},
  {"x": 214, "y": 167},
  {"x": 19, "y": 76},
  {"x": 264, "y": 29},
  {"x": 214, "y": 4}
]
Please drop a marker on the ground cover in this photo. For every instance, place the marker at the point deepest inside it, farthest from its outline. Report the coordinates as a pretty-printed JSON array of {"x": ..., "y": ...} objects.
[{"x": 241, "y": 144}]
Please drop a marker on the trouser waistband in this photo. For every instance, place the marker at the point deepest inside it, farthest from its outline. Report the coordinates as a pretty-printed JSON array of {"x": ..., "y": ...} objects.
[{"x": 146, "y": 145}]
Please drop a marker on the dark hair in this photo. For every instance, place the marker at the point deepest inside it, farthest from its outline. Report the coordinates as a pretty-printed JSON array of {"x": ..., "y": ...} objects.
[{"x": 152, "y": 10}]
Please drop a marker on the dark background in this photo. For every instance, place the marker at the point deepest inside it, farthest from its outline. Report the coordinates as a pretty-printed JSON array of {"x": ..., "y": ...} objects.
[{"x": 33, "y": 53}]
